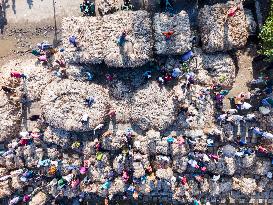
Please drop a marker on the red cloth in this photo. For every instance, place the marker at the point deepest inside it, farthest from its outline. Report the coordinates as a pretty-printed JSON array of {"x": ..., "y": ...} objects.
[
  {"x": 262, "y": 150},
  {"x": 23, "y": 142},
  {"x": 168, "y": 34},
  {"x": 232, "y": 11},
  {"x": 15, "y": 74},
  {"x": 167, "y": 78},
  {"x": 184, "y": 180}
]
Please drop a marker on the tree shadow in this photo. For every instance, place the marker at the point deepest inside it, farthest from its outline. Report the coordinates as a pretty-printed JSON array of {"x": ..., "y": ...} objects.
[{"x": 3, "y": 19}]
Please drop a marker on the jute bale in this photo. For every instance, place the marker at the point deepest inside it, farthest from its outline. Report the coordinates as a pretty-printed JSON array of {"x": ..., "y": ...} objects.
[
  {"x": 246, "y": 161},
  {"x": 262, "y": 166},
  {"x": 10, "y": 119},
  {"x": 179, "y": 150},
  {"x": 166, "y": 174},
  {"x": 137, "y": 49},
  {"x": 180, "y": 164},
  {"x": 114, "y": 141},
  {"x": 213, "y": 68},
  {"x": 107, "y": 6},
  {"x": 138, "y": 169},
  {"x": 57, "y": 136},
  {"x": 117, "y": 187},
  {"x": 39, "y": 199},
  {"x": 89, "y": 35},
  {"x": 180, "y": 41},
  {"x": 5, "y": 189},
  {"x": 153, "y": 107},
  {"x": 140, "y": 144},
  {"x": 225, "y": 165},
  {"x": 246, "y": 186},
  {"x": 63, "y": 105},
  {"x": 219, "y": 32},
  {"x": 38, "y": 76},
  {"x": 152, "y": 137},
  {"x": 220, "y": 188},
  {"x": 122, "y": 110}
]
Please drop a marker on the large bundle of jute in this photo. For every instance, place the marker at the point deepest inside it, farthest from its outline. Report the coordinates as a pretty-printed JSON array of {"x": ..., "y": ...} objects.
[
  {"x": 220, "y": 32},
  {"x": 114, "y": 141},
  {"x": 246, "y": 186},
  {"x": 64, "y": 105},
  {"x": 39, "y": 199},
  {"x": 10, "y": 118},
  {"x": 57, "y": 136},
  {"x": 180, "y": 40},
  {"x": 153, "y": 107},
  {"x": 107, "y": 6},
  {"x": 213, "y": 68},
  {"x": 137, "y": 48},
  {"x": 89, "y": 38},
  {"x": 38, "y": 76},
  {"x": 97, "y": 39}
]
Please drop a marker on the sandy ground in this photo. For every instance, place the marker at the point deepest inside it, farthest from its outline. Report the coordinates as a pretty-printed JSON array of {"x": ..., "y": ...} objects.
[
  {"x": 35, "y": 11},
  {"x": 24, "y": 23}
]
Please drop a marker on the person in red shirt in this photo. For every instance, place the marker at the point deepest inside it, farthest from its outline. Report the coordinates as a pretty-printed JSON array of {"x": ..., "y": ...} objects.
[
  {"x": 16, "y": 74},
  {"x": 168, "y": 34}
]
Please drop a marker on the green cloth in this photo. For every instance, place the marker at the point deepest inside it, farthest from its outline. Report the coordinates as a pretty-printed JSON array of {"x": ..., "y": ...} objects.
[
  {"x": 61, "y": 182},
  {"x": 270, "y": 101},
  {"x": 224, "y": 92},
  {"x": 99, "y": 156},
  {"x": 35, "y": 52}
]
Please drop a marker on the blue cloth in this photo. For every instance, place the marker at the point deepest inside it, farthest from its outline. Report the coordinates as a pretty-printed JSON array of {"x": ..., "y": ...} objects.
[
  {"x": 186, "y": 56},
  {"x": 170, "y": 140},
  {"x": 242, "y": 142},
  {"x": 72, "y": 40},
  {"x": 89, "y": 76},
  {"x": 45, "y": 162},
  {"x": 106, "y": 185}
]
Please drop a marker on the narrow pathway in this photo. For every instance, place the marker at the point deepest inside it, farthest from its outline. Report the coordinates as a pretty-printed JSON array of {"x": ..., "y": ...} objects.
[{"x": 244, "y": 75}]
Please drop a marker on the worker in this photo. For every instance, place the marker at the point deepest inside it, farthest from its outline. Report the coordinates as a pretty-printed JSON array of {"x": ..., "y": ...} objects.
[{"x": 168, "y": 35}]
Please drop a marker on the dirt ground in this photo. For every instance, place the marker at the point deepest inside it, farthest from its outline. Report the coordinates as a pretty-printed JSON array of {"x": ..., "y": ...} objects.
[{"x": 24, "y": 23}]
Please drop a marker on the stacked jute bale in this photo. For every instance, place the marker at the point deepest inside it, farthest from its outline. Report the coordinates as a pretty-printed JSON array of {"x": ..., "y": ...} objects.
[
  {"x": 10, "y": 119},
  {"x": 220, "y": 188},
  {"x": 63, "y": 105},
  {"x": 246, "y": 186},
  {"x": 180, "y": 41},
  {"x": 219, "y": 32},
  {"x": 114, "y": 141},
  {"x": 39, "y": 199},
  {"x": 97, "y": 39},
  {"x": 88, "y": 32},
  {"x": 140, "y": 144},
  {"x": 107, "y": 6},
  {"x": 117, "y": 187},
  {"x": 213, "y": 68},
  {"x": 153, "y": 107},
  {"x": 5, "y": 188},
  {"x": 38, "y": 76},
  {"x": 58, "y": 136},
  {"x": 137, "y": 49},
  {"x": 225, "y": 165}
]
